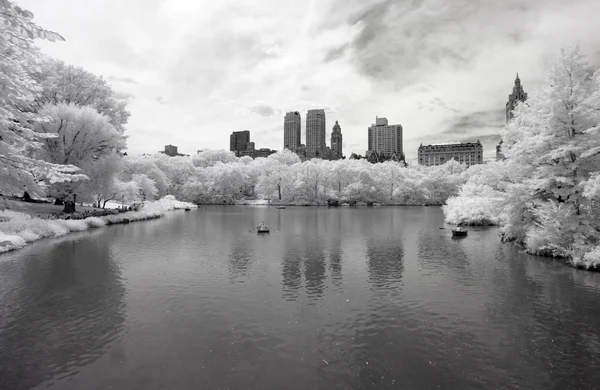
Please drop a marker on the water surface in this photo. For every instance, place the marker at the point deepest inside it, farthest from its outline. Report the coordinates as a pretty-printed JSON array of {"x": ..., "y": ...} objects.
[{"x": 342, "y": 298}]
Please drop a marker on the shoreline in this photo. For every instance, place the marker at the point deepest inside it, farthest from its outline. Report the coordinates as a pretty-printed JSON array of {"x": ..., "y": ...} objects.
[{"x": 21, "y": 229}]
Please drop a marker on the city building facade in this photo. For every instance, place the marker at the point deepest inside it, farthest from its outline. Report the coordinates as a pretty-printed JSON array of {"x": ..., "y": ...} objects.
[
  {"x": 384, "y": 138},
  {"x": 292, "y": 123},
  {"x": 238, "y": 140},
  {"x": 171, "y": 151},
  {"x": 336, "y": 139},
  {"x": 470, "y": 153},
  {"x": 518, "y": 95},
  {"x": 315, "y": 132},
  {"x": 255, "y": 153}
]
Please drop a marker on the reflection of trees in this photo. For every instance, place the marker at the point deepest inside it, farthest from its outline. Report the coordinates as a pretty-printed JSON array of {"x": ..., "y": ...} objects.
[
  {"x": 548, "y": 319},
  {"x": 385, "y": 262},
  {"x": 437, "y": 251},
  {"x": 68, "y": 308},
  {"x": 240, "y": 258}
]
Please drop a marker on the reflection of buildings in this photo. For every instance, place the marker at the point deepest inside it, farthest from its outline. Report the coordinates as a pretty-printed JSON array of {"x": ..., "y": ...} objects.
[
  {"x": 469, "y": 153},
  {"x": 291, "y": 270},
  {"x": 70, "y": 308},
  {"x": 304, "y": 264},
  {"x": 171, "y": 151},
  {"x": 517, "y": 95},
  {"x": 314, "y": 269},
  {"x": 385, "y": 262},
  {"x": 335, "y": 261}
]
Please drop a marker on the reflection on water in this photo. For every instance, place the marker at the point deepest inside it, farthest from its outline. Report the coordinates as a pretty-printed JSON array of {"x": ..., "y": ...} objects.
[
  {"x": 384, "y": 262},
  {"x": 340, "y": 298},
  {"x": 64, "y": 308},
  {"x": 240, "y": 258}
]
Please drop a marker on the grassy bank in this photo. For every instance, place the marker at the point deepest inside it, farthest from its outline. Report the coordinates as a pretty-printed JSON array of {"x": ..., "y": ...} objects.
[{"x": 18, "y": 228}]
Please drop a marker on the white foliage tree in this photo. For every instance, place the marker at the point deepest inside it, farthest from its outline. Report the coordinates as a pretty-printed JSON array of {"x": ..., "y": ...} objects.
[
  {"x": 18, "y": 90},
  {"x": 82, "y": 134},
  {"x": 62, "y": 83}
]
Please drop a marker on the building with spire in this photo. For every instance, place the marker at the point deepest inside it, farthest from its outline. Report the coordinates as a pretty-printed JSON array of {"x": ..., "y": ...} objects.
[
  {"x": 518, "y": 95},
  {"x": 291, "y": 130},
  {"x": 336, "y": 140}
]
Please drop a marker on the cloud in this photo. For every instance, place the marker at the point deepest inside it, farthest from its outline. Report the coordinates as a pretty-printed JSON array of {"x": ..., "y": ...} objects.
[
  {"x": 442, "y": 69},
  {"x": 121, "y": 95},
  {"x": 127, "y": 80},
  {"x": 474, "y": 122},
  {"x": 263, "y": 109}
]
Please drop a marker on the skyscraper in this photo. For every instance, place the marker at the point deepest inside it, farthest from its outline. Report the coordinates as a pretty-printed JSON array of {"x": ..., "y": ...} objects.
[
  {"x": 291, "y": 130},
  {"x": 517, "y": 95},
  {"x": 384, "y": 138},
  {"x": 336, "y": 139},
  {"x": 238, "y": 140},
  {"x": 315, "y": 131}
]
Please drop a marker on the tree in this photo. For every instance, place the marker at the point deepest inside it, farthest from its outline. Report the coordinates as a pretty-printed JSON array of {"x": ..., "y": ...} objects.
[
  {"x": 83, "y": 134},
  {"x": 147, "y": 189},
  {"x": 208, "y": 158},
  {"x": 74, "y": 85},
  {"x": 102, "y": 173},
  {"x": 546, "y": 190},
  {"x": 18, "y": 137},
  {"x": 144, "y": 165}
]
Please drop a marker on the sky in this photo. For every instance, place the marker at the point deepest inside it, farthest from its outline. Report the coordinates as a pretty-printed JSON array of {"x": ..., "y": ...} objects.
[{"x": 193, "y": 71}]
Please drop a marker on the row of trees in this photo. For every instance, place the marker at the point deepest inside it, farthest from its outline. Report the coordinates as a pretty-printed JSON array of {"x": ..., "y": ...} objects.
[
  {"x": 219, "y": 177},
  {"x": 546, "y": 194}
]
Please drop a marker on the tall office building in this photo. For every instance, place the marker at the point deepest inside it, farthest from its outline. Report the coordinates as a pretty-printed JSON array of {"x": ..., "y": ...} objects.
[
  {"x": 315, "y": 132},
  {"x": 384, "y": 138},
  {"x": 518, "y": 95},
  {"x": 336, "y": 139},
  {"x": 238, "y": 140},
  {"x": 291, "y": 130}
]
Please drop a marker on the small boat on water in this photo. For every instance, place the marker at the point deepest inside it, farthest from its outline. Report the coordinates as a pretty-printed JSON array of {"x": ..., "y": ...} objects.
[
  {"x": 459, "y": 232},
  {"x": 262, "y": 228},
  {"x": 187, "y": 209},
  {"x": 280, "y": 207}
]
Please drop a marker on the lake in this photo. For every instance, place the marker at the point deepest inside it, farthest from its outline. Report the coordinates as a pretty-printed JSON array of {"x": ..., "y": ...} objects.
[{"x": 332, "y": 298}]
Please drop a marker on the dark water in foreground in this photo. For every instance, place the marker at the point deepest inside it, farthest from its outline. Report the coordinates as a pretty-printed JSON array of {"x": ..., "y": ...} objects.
[{"x": 366, "y": 298}]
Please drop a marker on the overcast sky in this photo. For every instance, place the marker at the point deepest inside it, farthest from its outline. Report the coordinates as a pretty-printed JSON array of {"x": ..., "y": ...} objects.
[{"x": 193, "y": 71}]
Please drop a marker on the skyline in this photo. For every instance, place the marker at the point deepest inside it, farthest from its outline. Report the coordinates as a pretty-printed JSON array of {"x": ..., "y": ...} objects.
[{"x": 444, "y": 72}]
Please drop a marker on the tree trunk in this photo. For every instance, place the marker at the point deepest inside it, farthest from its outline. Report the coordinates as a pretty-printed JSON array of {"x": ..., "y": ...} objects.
[
  {"x": 69, "y": 207},
  {"x": 279, "y": 191},
  {"x": 58, "y": 202},
  {"x": 104, "y": 204}
]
